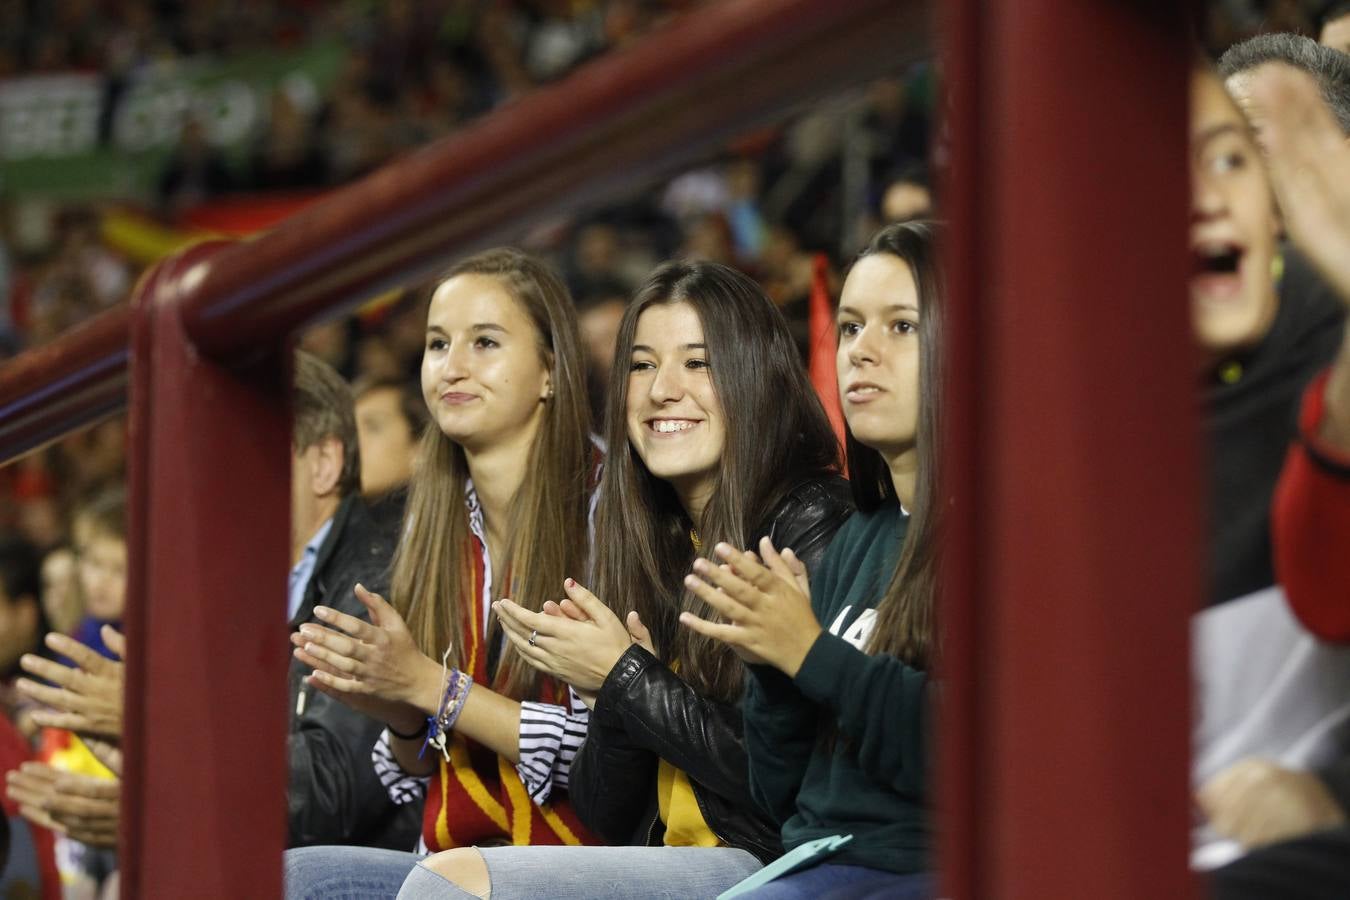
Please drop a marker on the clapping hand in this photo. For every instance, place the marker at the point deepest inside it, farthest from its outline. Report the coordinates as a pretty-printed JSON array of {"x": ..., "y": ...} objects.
[
  {"x": 82, "y": 807},
  {"x": 764, "y": 602},
  {"x": 85, "y": 697},
  {"x": 577, "y": 640},
  {"x": 374, "y": 666}
]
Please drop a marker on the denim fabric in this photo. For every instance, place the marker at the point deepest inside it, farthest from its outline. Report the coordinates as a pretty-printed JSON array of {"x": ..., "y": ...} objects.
[
  {"x": 837, "y": 882},
  {"x": 596, "y": 873},
  {"x": 346, "y": 873}
]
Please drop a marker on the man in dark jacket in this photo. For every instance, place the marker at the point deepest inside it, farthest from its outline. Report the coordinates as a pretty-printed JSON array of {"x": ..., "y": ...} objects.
[{"x": 338, "y": 541}]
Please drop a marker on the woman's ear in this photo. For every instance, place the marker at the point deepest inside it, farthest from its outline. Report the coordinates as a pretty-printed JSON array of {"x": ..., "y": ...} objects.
[{"x": 546, "y": 391}]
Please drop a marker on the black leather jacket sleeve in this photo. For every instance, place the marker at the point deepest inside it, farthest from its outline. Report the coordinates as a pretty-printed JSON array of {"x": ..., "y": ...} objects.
[
  {"x": 334, "y": 794},
  {"x": 644, "y": 713},
  {"x": 808, "y": 518},
  {"x": 610, "y": 784},
  {"x": 663, "y": 714}
]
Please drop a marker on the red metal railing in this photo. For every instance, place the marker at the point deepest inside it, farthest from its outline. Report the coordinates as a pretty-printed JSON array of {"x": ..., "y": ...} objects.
[
  {"x": 1045, "y": 779},
  {"x": 205, "y": 722},
  {"x": 617, "y": 123}
]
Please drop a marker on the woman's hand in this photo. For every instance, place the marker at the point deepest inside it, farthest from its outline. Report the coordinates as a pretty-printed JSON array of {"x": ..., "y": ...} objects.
[
  {"x": 87, "y": 697},
  {"x": 374, "y": 666},
  {"x": 639, "y": 633},
  {"x": 766, "y": 605},
  {"x": 579, "y": 643},
  {"x": 636, "y": 630},
  {"x": 79, "y": 806}
]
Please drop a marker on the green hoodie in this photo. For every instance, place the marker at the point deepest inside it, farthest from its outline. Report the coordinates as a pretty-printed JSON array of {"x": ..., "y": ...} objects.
[{"x": 841, "y": 748}]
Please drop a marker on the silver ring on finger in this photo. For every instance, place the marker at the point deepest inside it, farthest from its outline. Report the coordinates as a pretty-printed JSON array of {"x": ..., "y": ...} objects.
[{"x": 534, "y": 636}]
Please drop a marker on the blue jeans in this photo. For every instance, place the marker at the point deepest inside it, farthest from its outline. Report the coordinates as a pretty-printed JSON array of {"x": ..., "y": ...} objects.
[
  {"x": 829, "y": 881},
  {"x": 346, "y": 873},
  {"x": 595, "y": 873}
]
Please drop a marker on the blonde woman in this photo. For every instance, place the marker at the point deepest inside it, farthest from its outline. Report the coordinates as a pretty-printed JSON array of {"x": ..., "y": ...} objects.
[{"x": 498, "y": 507}]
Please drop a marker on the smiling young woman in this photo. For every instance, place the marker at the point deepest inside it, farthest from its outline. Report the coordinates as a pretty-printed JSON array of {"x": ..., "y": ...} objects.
[
  {"x": 714, "y": 434},
  {"x": 837, "y": 709},
  {"x": 702, "y": 348},
  {"x": 498, "y": 507}
]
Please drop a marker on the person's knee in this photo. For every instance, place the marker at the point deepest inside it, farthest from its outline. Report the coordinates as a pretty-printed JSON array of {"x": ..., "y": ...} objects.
[{"x": 464, "y": 867}]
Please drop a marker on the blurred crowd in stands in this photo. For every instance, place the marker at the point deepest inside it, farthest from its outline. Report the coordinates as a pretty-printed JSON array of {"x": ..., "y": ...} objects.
[
  {"x": 776, "y": 201},
  {"x": 415, "y": 72}
]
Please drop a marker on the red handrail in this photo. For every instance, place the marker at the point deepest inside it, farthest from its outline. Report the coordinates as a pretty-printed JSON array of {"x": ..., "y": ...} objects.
[
  {"x": 74, "y": 381},
  {"x": 1057, "y": 796},
  {"x": 615, "y": 124}
]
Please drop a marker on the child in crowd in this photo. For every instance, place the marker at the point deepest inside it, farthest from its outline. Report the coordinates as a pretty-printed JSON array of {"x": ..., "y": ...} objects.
[
  {"x": 498, "y": 506},
  {"x": 85, "y": 849},
  {"x": 716, "y": 437},
  {"x": 61, "y": 601},
  {"x": 100, "y": 531}
]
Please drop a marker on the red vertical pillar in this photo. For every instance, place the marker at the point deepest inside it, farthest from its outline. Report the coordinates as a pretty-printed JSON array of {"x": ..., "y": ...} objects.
[
  {"x": 204, "y": 802},
  {"x": 1075, "y": 547}
]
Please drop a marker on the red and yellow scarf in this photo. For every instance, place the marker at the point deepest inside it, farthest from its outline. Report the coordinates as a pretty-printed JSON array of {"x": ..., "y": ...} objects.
[{"x": 477, "y": 798}]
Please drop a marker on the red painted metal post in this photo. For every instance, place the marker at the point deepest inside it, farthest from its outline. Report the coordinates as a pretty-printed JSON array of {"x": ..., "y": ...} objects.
[
  {"x": 204, "y": 815},
  {"x": 1075, "y": 550}
]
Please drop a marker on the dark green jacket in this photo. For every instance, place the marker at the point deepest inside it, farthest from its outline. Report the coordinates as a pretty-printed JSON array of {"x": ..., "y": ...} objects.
[{"x": 868, "y": 776}]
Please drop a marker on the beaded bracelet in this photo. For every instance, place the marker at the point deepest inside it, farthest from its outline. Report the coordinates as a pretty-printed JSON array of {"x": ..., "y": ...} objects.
[
  {"x": 455, "y": 703},
  {"x": 439, "y": 726}
]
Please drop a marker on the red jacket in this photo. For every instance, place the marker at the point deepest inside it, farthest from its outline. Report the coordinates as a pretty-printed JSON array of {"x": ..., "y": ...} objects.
[{"x": 1311, "y": 525}]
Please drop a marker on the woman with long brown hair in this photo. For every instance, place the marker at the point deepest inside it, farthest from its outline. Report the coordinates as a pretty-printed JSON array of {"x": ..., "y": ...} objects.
[
  {"x": 714, "y": 435},
  {"x": 836, "y": 712},
  {"x": 498, "y": 507}
]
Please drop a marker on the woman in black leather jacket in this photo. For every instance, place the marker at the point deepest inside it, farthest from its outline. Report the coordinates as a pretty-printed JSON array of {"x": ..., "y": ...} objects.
[{"x": 716, "y": 436}]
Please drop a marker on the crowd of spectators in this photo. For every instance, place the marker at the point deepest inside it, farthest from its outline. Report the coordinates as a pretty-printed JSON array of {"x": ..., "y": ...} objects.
[
  {"x": 413, "y": 72},
  {"x": 770, "y": 204}
]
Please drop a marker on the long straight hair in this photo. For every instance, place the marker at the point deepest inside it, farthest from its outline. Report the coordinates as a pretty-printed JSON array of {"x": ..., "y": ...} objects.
[
  {"x": 432, "y": 582},
  {"x": 905, "y": 626},
  {"x": 777, "y": 436}
]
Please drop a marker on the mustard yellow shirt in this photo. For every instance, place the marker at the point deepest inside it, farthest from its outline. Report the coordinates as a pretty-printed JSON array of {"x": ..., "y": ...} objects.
[{"x": 685, "y": 825}]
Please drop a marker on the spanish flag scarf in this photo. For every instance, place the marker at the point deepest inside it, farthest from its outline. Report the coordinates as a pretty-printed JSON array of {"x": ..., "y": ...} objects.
[{"x": 477, "y": 798}]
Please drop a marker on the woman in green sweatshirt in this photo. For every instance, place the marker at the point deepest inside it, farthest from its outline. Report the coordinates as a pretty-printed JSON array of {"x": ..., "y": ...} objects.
[{"x": 836, "y": 713}]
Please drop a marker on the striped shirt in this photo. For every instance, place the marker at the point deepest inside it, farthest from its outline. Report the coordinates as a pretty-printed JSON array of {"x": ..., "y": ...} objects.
[{"x": 550, "y": 735}]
